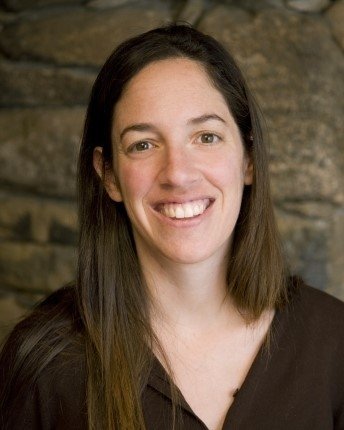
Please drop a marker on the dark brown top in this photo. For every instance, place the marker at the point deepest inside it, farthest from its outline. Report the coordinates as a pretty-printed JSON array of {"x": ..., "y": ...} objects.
[{"x": 299, "y": 385}]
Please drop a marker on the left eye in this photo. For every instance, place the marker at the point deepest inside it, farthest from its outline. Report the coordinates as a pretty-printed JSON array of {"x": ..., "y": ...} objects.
[
  {"x": 209, "y": 138},
  {"x": 140, "y": 146}
]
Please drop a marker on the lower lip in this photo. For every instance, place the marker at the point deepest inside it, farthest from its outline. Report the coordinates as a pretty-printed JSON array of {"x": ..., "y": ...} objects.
[{"x": 184, "y": 222}]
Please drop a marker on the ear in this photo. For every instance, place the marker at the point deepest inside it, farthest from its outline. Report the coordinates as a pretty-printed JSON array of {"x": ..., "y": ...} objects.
[
  {"x": 248, "y": 170},
  {"x": 106, "y": 174}
]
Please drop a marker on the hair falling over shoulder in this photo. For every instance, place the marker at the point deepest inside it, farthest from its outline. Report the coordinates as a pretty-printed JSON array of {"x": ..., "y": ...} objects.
[
  {"x": 107, "y": 308},
  {"x": 112, "y": 295}
]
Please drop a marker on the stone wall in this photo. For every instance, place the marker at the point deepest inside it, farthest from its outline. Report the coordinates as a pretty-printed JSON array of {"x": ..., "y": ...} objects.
[{"x": 50, "y": 52}]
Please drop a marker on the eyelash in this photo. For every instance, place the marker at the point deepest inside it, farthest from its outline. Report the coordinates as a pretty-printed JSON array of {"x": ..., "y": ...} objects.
[
  {"x": 219, "y": 139},
  {"x": 133, "y": 148}
]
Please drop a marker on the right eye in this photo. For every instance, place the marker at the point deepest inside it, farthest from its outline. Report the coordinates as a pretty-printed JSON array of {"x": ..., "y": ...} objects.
[{"x": 140, "y": 146}]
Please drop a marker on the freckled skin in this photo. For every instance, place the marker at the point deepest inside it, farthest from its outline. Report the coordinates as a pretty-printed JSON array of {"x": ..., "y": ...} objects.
[{"x": 176, "y": 162}]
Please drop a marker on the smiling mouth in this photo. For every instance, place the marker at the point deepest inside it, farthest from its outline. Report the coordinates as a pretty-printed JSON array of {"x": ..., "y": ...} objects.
[{"x": 189, "y": 209}]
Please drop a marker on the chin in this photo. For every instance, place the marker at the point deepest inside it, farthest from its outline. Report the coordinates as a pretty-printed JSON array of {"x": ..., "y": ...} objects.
[{"x": 189, "y": 257}]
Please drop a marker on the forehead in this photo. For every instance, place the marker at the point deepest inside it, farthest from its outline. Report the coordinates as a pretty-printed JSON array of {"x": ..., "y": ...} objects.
[
  {"x": 173, "y": 88},
  {"x": 171, "y": 69}
]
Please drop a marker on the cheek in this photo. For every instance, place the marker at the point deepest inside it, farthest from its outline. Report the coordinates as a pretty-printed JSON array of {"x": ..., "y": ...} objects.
[
  {"x": 135, "y": 181},
  {"x": 229, "y": 174}
]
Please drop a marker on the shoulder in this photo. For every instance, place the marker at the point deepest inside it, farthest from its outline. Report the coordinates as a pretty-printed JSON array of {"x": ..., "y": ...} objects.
[
  {"x": 42, "y": 366},
  {"x": 57, "y": 313},
  {"x": 60, "y": 392},
  {"x": 312, "y": 343},
  {"x": 46, "y": 331},
  {"x": 313, "y": 322},
  {"x": 317, "y": 308}
]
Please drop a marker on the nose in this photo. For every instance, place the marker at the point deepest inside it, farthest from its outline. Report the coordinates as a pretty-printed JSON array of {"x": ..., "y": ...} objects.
[{"x": 179, "y": 169}]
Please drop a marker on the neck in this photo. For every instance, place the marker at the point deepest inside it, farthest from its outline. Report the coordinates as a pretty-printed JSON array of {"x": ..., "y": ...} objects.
[{"x": 188, "y": 298}]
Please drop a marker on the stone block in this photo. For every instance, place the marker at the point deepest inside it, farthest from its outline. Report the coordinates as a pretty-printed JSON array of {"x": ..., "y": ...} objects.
[
  {"x": 294, "y": 67},
  {"x": 289, "y": 59},
  {"x": 81, "y": 37},
  {"x": 61, "y": 231},
  {"x": 306, "y": 159},
  {"x": 26, "y": 84},
  {"x": 39, "y": 147},
  {"x": 10, "y": 313},
  {"x": 335, "y": 16},
  {"x": 313, "y": 6},
  {"x": 19, "y": 5},
  {"x": 336, "y": 255},
  {"x": 306, "y": 244},
  {"x": 37, "y": 220},
  {"x": 254, "y": 5},
  {"x": 308, "y": 209},
  {"x": 312, "y": 234},
  {"x": 35, "y": 267},
  {"x": 192, "y": 11},
  {"x": 13, "y": 307},
  {"x": 107, "y": 4},
  {"x": 6, "y": 17},
  {"x": 314, "y": 246}
]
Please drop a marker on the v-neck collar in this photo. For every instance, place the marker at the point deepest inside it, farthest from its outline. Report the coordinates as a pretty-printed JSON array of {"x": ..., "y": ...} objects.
[
  {"x": 158, "y": 378},
  {"x": 259, "y": 368}
]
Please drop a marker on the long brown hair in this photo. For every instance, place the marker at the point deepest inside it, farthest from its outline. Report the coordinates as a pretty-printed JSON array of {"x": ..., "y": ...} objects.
[{"x": 111, "y": 294}]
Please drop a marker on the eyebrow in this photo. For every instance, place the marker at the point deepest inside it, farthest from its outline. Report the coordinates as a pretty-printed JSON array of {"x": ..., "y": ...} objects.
[
  {"x": 144, "y": 126},
  {"x": 206, "y": 117}
]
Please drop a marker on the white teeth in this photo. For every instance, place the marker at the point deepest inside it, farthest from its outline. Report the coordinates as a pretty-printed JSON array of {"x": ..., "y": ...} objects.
[
  {"x": 188, "y": 211},
  {"x": 179, "y": 212},
  {"x": 185, "y": 210},
  {"x": 170, "y": 211},
  {"x": 197, "y": 210}
]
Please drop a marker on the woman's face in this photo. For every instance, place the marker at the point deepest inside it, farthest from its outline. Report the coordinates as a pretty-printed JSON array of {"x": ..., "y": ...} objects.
[{"x": 180, "y": 163}]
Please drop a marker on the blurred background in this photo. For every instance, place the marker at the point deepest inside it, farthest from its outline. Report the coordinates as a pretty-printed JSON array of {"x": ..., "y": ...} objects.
[{"x": 50, "y": 52}]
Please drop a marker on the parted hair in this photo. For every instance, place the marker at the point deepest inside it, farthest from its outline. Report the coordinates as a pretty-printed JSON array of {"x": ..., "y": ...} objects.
[{"x": 107, "y": 306}]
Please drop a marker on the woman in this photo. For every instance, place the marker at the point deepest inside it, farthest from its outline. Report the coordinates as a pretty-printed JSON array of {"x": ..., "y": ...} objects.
[{"x": 182, "y": 315}]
